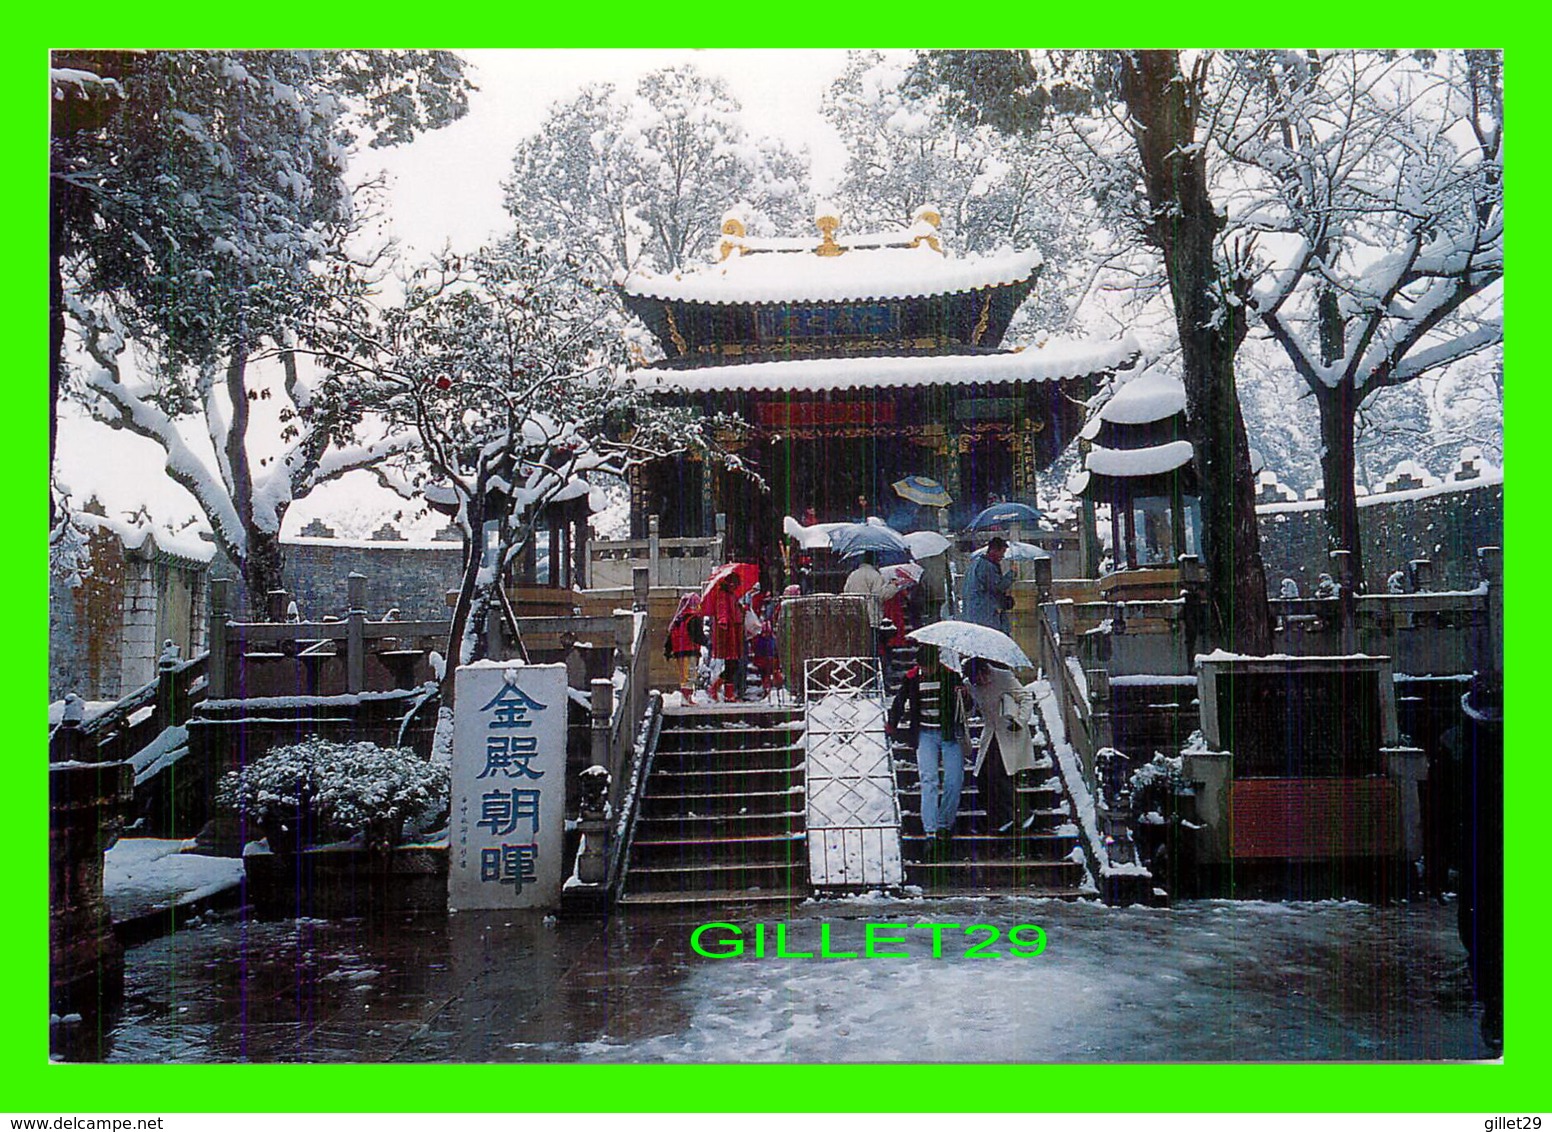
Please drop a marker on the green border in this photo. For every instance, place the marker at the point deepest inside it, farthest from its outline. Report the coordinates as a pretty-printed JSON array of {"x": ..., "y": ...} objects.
[{"x": 33, "y": 1084}]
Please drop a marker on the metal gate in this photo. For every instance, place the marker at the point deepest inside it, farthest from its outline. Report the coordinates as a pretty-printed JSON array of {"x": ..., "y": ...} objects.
[{"x": 853, "y": 813}]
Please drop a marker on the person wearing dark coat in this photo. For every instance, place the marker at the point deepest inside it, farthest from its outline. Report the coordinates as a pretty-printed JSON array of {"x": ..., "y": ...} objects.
[
  {"x": 928, "y": 714},
  {"x": 986, "y": 599}
]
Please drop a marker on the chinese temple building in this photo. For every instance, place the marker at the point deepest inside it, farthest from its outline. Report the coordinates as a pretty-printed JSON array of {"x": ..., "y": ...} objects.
[{"x": 856, "y": 361}]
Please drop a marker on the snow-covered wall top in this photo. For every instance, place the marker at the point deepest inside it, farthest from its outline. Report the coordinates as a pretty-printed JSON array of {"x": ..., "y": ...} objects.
[
  {"x": 1054, "y": 362},
  {"x": 871, "y": 273},
  {"x": 140, "y": 537}
]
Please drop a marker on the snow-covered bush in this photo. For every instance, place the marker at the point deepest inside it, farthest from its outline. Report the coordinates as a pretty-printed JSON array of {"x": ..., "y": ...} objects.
[
  {"x": 321, "y": 790},
  {"x": 1153, "y": 788}
]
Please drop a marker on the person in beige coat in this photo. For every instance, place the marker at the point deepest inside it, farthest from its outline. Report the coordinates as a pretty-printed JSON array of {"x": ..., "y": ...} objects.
[{"x": 1007, "y": 710}]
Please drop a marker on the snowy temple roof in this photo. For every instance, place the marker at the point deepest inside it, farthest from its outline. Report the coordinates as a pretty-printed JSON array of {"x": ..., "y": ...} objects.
[
  {"x": 1107, "y": 471},
  {"x": 1152, "y": 395},
  {"x": 1139, "y": 461},
  {"x": 865, "y": 272},
  {"x": 1055, "y": 362}
]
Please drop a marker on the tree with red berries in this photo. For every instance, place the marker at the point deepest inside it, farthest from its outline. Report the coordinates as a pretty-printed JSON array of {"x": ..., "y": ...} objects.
[{"x": 498, "y": 364}]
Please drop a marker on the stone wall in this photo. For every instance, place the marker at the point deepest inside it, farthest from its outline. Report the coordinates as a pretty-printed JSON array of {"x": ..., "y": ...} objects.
[
  {"x": 1445, "y": 524},
  {"x": 414, "y": 577},
  {"x": 110, "y": 613}
]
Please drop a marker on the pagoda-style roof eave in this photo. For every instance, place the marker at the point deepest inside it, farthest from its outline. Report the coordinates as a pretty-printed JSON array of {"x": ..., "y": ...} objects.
[
  {"x": 860, "y": 276},
  {"x": 1057, "y": 361}
]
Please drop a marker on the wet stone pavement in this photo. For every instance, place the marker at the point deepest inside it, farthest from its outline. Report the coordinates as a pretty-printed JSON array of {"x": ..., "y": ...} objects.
[{"x": 1205, "y": 981}]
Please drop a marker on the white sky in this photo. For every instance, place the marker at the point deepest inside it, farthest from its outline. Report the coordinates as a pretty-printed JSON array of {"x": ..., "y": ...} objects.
[{"x": 446, "y": 185}]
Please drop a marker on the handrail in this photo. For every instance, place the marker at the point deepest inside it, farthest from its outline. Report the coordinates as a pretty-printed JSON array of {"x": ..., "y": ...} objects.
[
  {"x": 630, "y": 802},
  {"x": 1070, "y": 699},
  {"x": 110, "y": 736}
]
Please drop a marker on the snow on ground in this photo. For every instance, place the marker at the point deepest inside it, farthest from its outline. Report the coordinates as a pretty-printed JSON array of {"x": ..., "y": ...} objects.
[
  {"x": 145, "y": 874},
  {"x": 1205, "y": 981}
]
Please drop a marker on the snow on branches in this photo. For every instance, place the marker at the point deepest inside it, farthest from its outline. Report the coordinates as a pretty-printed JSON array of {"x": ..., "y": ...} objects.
[{"x": 498, "y": 362}]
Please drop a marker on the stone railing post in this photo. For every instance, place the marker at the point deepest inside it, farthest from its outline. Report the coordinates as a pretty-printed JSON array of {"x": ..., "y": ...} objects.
[
  {"x": 275, "y": 603},
  {"x": 654, "y": 549},
  {"x": 641, "y": 584},
  {"x": 1101, "y": 728},
  {"x": 355, "y": 633},
  {"x": 1491, "y": 560},
  {"x": 1347, "y": 598},
  {"x": 1421, "y": 570},
  {"x": 601, "y": 709},
  {"x": 1043, "y": 569},
  {"x": 167, "y": 685},
  {"x": 218, "y": 672},
  {"x": 67, "y": 745},
  {"x": 1067, "y": 629}
]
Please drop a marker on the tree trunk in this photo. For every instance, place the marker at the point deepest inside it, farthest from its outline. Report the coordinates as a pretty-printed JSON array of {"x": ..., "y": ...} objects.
[
  {"x": 56, "y": 337},
  {"x": 464, "y": 604},
  {"x": 1338, "y": 470},
  {"x": 262, "y": 570},
  {"x": 1185, "y": 227}
]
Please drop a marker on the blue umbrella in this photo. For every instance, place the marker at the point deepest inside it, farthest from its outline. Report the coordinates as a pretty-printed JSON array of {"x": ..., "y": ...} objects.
[
  {"x": 920, "y": 489},
  {"x": 850, "y": 539},
  {"x": 1001, "y": 514}
]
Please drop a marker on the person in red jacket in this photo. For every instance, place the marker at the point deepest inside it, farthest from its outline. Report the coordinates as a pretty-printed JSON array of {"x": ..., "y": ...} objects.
[
  {"x": 686, "y": 635},
  {"x": 726, "y": 615}
]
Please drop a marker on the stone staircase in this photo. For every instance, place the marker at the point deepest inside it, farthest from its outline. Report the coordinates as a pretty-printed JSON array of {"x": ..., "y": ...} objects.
[
  {"x": 723, "y": 817},
  {"x": 722, "y": 814}
]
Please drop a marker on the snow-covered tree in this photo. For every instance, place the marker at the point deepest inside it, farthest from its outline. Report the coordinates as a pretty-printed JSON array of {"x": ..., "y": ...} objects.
[
  {"x": 619, "y": 182},
  {"x": 1364, "y": 191},
  {"x": 1162, "y": 109},
  {"x": 198, "y": 210},
  {"x": 516, "y": 390},
  {"x": 993, "y": 190}
]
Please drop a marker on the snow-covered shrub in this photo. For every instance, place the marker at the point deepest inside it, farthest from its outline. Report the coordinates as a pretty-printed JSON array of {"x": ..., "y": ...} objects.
[
  {"x": 1153, "y": 788},
  {"x": 321, "y": 790}
]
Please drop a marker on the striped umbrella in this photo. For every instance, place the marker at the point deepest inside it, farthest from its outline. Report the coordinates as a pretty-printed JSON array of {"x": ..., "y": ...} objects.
[{"x": 920, "y": 489}]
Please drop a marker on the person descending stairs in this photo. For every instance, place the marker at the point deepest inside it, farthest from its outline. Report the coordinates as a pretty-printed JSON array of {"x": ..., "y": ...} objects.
[{"x": 1021, "y": 841}]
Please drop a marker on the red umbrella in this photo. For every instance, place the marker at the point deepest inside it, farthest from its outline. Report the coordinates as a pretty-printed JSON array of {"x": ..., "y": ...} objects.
[{"x": 745, "y": 575}]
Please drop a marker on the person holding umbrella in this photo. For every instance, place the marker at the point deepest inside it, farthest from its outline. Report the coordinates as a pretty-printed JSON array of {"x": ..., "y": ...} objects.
[
  {"x": 868, "y": 581},
  {"x": 720, "y": 604},
  {"x": 986, "y": 598},
  {"x": 928, "y": 714},
  {"x": 1008, "y": 709}
]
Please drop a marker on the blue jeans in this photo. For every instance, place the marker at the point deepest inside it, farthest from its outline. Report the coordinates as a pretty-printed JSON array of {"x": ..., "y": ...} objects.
[{"x": 939, "y": 808}]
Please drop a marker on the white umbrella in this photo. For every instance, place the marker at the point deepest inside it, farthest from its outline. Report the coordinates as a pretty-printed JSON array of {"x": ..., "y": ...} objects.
[
  {"x": 926, "y": 544},
  {"x": 1020, "y": 552},
  {"x": 903, "y": 574},
  {"x": 816, "y": 537},
  {"x": 967, "y": 639}
]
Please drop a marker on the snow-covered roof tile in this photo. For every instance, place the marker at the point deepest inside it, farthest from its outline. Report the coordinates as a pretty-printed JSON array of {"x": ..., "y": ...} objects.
[
  {"x": 1152, "y": 395},
  {"x": 1139, "y": 461},
  {"x": 1056, "y": 361},
  {"x": 863, "y": 273}
]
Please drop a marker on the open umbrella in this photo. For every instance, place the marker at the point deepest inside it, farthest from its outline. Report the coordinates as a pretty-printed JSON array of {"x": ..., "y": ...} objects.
[
  {"x": 745, "y": 575},
  {"x": 920, "y": 489},
  {"x": 967, "y": 639},
  {"x": 859, "y": 538},
  {"x": 1020, "y": 552},
  {"x": 815, "y": 537},
  {"x": 1001, "y": 514},
  {"x": 902, "y": 574},
  {"x": 926, "y": 544}
]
